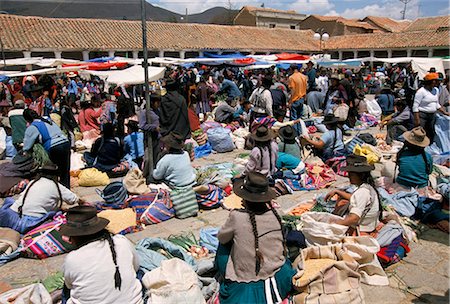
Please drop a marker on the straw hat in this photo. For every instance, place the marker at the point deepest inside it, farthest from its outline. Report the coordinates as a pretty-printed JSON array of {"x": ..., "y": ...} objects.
[
  {"x": 71, "y": 74},
  {"x": 83, "y": 220},
  {"x": 417, "y": 137},
  {"x": 254, "y": 188}
]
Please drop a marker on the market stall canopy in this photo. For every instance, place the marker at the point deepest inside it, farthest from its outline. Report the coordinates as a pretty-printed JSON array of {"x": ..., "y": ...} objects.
[
  {"x": 289, "y": 56},
  {"x": 39, "y": 61},
  {"x": 42, "y": 71},
  {"x": 131, "y": 76}
]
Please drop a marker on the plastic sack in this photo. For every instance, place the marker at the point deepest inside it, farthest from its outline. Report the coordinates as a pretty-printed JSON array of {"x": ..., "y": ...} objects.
[
  {"x": 341, "y": 112},
  {"x": 220, "y": 140},
  {"x": 373, "y": 108},
  {"x": 368, "y": 152},
  {"x": 76, "y": 162},
  {"x": 319, "y": 230},
  {"x": 202, "y": 151},
  {"x": 92, "y": 177},
  {"x": 173, "y": 282}
]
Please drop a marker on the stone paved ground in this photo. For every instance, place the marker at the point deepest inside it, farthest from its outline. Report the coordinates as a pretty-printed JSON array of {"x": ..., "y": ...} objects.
[{"x": 422, "y": 277}]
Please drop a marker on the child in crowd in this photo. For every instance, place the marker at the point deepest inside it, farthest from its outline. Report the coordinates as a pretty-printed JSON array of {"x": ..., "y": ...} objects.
[{"x": 134, "y": 143}]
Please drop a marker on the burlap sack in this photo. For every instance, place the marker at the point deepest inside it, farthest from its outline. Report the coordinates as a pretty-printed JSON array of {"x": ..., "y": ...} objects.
[{"x": 135, "y": 182}]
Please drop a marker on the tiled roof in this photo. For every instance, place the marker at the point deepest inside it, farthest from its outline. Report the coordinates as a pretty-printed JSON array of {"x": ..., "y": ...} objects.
[
  {"x": 429, "y": 23},
  {"x": 417, "y": 39},
  {"x": 388, "y": 24},
  {"x": 345, "y": 21},
  {"x": 27, "y": 33}
]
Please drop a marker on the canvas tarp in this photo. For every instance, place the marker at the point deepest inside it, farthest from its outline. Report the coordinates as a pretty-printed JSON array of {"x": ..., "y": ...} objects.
[{"x": 132, "y": 76}]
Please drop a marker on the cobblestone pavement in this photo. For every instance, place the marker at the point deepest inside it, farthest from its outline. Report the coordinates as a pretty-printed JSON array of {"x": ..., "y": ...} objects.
[{"x": 422, "y": 277}]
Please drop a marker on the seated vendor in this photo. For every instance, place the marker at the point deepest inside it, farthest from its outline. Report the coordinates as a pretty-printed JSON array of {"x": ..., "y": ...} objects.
[
  {"x": 103, "y": 267},
  {"x": 251, "y": 254},
  {"x": 174, "y": 167},
  {"x": 364, "y": 209},
  {"x": 263, "y": 157},
  {"x": 331, "y": 144},
  {"x": 106, "y": 152},
  {"x": 40, "y": 201},
  {"x": 134, "y": 143},
  {"x": 398, "y": 123},
  {"x": 414, "y": 163},
  {"x": 225, "y": 112},
  {"x": 288, "y": 143}
]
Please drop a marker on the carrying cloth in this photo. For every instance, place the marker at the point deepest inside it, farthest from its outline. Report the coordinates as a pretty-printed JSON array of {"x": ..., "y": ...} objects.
[
  {"x": 174, "y": 282},
  {"x": 92, "y": 177},
  {"x": 159, "y": 210},
  {"x": 336, "y": 282},
  {"x": 184, "y": 202},
  {"x": 135, "y": 182},
  {"x": 212, "y": 198},
  {"x": 46, "y": 240}
]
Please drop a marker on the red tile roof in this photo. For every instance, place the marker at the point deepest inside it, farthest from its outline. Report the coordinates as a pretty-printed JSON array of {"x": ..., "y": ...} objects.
[
  {"x": 29, "y": 33},
  {"x": 417, "y": 39},
  {"x": 429, "y": 23},
  {"x": 388, "y": 24}
]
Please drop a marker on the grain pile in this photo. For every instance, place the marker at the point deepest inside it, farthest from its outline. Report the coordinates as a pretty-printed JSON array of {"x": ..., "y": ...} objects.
[{"x": 313, "y": 266}]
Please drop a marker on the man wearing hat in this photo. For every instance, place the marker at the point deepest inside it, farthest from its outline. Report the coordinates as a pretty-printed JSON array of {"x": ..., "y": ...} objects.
[
  {"x": 426, "y": 104},
  {"x": 174, "y": 167},
  {"x": 414, "y": 163},
  {"x": 72, "y": 88},
  {"x": 251, "y": 247},
  {"x": 261, "y": 100},
  {"x": 364, "y": 208},
  {"x": 103, "y": 267}
]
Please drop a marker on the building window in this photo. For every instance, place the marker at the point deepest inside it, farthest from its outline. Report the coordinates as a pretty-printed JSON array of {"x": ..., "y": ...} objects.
[
  {"x": 272, "y": 25},
  {"x": 292, "y": 27}
]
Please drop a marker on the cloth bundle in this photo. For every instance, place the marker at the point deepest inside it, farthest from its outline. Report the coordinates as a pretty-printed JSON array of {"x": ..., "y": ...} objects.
[
  {"x": 319, "y": 229},
  {"x": 211, "y": 198},
  {"x": 9, "y": 241},
  {"x": 220, "y": 140},
  {"x": 159, "y": 210},
  {"x": 368, "y": 152},
  {"x": 318, "y": 176},
  {"x": 334, "y": 279},
  {"x": 135, "y": 182},
  {"x": 92, "y": 177}
]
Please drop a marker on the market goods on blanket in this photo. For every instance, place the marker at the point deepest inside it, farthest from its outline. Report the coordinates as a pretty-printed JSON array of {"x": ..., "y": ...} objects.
[
  {"x": 232, "y": 202},
  {"x": 46, "y": 241},
  {"x": 92, "y": 177},
  {"x": 314, "y": 266},
  {"x": 211, "y": 198},
  {"x": 119, "y": 219}
]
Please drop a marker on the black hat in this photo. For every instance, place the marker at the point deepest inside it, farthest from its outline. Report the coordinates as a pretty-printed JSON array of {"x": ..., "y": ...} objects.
[
  {"x": 171, "y": 85},
  {"x": 133, "y": 125},
  {"x": 288, "y": 134},
  {"x": 173, "y": 140},
  {"x": 262, "y": 134},
  {"x": 254, "y": 188},
  {"x": 35, "y": 88},
  {"x": 49, "y": 168},
  {"x": 83, "y": 220},
  {"x": 357, "y": 163},
  {"x": 329, "y": 119}
]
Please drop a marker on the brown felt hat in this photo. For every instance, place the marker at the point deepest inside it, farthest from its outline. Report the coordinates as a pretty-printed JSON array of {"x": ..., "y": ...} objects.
[
  {"x": 417, "y": 137},
  {"x": 262, "y": 134},
  {"x": 173, "y": 140},
  {"x": 357, "y": 163},
  {"x": 83, "y": 220},
  {"x": 254, "y": 188}
]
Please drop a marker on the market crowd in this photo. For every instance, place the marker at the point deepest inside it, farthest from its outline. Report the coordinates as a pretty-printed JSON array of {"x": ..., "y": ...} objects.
[{"x": 283, "y": 117}]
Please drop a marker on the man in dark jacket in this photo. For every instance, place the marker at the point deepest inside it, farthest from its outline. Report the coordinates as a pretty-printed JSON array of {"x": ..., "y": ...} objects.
[{"x": 174, "y": 112}]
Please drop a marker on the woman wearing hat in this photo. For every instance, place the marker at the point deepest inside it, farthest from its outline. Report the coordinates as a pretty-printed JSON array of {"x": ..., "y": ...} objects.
[
  {"x": 174, "y": 167},
  {"x": 364, "y": 209},
  {"x": 426, "y": 104},
  {"x": 106, "y": 152},
  {"x": 336, "y": 94},
  {"x": 414, "y": 164},
  {"x": 331, "y": 143},
  {"x": 103, "y": 268},
  {"x": 251, "y": 255},
  {"x": 288, "y": 143},
  {"x": 41, "y": 199},
  {"x": 263, "y": 157},
  {"x": 47, "y": 133}
]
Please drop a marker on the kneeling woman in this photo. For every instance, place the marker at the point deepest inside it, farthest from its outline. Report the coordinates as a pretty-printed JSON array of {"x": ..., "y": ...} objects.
[
  {"x": 251, "y": 256},
  {"x": 40, "y": 201},
  {"x": 364, "y": 209},
  {"x": 331, "y": 144},
  {"x": 103, "y": 268}
]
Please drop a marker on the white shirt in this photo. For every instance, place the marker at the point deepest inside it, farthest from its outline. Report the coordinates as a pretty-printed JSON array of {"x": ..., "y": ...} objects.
[
  {"x": 89, "y": 273},
  {"x": 265, "y": 101},
  {"x": 42, "y": 198},
  {"x": 360, "y": 199},
  {"x": 322, "y": 83},
  {"x": 425, "y": 101}
]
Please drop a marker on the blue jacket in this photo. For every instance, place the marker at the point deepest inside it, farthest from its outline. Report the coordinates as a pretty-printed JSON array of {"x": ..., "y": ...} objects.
[{"x": 230, "y": 88}]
